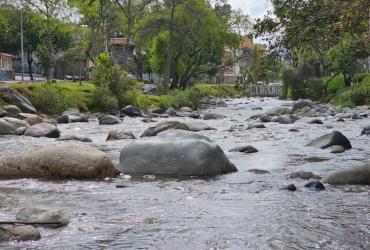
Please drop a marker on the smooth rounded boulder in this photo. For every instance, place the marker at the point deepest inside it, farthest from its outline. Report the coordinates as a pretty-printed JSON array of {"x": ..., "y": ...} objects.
[
  {"x": 43, "y": 130},
  {"x": 359, "y": 175},
  {"x": 109, "y": 120},
  {"x": 19, "y": 233},
  {"x": 331, "y": 139},
  {"x": 9, "y": 126},
  {"x": 131, "y": 111},
  {"x": 174, "y": 155},
  {"x": 12, "y": 110},
  {"x": 63, "y": 161}
]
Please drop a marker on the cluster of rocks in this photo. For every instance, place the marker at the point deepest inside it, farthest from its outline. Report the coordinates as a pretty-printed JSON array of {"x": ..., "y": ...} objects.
[{"x": 25, "y": 226}]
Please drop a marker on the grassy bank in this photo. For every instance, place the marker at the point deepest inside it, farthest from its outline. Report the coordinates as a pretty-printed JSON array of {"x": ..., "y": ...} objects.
[
  {"x": 357, "y": 94},
  {"x": 54, "y": 98}
]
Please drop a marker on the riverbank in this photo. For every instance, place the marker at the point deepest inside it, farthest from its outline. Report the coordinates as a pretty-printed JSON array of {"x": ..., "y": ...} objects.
[{"x": 55, "y": 98}]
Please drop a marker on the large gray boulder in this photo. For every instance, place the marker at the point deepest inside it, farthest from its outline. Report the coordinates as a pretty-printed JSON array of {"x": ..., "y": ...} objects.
[
  {"x": 149, "y": 89},
  {"x": 175, "y": 154},
  {"x": 19, "y": 233},
  {"x": 12, "y": 96},
  {"x": 8, "y": 125},
  {"x": 332, "y": 139},
  {"x": 212, "y": 116},
  {"x": 359, "y": 175},
  {"x": 67, "y": 160},
  {"x": 43, "y": 130}
]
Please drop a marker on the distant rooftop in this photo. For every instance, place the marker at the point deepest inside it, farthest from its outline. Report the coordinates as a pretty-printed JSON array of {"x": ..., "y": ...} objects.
[{"x": 121, "y": 41}]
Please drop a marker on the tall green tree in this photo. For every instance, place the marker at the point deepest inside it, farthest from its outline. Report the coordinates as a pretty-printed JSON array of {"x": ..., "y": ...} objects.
[{"x": 199, "y": 37}]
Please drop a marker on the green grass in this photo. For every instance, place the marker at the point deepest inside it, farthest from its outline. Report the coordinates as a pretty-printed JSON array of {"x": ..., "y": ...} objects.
[
  {"x": 54, "y": 98},
  {"x": 358, "y": 94}
]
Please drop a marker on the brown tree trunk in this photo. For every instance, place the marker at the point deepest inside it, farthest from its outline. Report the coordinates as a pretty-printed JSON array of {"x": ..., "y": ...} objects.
[{"x": 29, "y": 61}]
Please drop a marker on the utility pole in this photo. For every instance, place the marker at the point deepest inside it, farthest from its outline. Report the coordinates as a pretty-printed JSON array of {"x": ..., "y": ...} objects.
[{"x": 22, "y": 52}]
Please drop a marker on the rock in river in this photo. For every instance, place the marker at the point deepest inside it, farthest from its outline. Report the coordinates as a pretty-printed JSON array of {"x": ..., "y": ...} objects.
[
  {"x": 167, "y": 125},
  {"x": 212, "y": 116},
  {"x": 328, "y": 140},
  {"x": 175, "y": 155},
  {"x": 30, "y": 214},
  {"x": 359, "y": 175},
  {"x": 131, "y": 111},
  {"x": 244, "y": 149},
  {"x": 67, "y": 160},
  {"x": 316, "y": 185},
  {"x": 109, "y": 120},
  {"x": 9, "y": 126},
  {"x": 115, "y": 135},
  {"x": 43, "y": 130},
  {"x": 19, "y": 233}
]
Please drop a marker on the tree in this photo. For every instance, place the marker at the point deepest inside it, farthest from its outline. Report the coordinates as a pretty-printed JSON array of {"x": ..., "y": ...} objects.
[
  {"x": 198, "y": 40},
  {"x": 343, "y": 57},
  {"x": 51, "y": 11},
  {"x": 313, "y": 25}
]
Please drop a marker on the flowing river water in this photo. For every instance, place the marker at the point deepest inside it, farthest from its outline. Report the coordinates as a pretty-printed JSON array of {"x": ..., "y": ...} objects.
[{"x": 242, "y": 210}]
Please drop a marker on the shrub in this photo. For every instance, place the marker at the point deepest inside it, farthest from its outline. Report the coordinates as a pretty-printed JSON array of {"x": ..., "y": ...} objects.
[
  {"x": 52, "y": 99},
  {"x": 164, "y": 102},
  {"x": 335, "y": 84},
  {"x": 102, "y": 99}
]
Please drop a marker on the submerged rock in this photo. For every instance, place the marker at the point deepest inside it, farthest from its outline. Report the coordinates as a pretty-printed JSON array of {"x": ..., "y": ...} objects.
[
  {"x": 316, "y": 185},
  {"x": 174, "y": 155},
  {"x": 43, "y": 130},
  {"x": 359, "y": 175},
  {"x": 212, "y": 116},
  {"x": 74, "y": 138},
  {"x": 328, "y": 140},
  {"x": 30, "y": 214},
  {"x": 244, "y": 149},
  {"x": 258, "y": 171},
  {"x": 290, "y": 187},
  {"x": 19, "y": 233},
  {"x": 67, "y": 160},
  {"x": 315, "y": 121}
]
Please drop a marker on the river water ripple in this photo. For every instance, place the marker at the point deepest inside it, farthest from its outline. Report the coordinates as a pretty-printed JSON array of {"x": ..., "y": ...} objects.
[{"x": 242, "y": 210}]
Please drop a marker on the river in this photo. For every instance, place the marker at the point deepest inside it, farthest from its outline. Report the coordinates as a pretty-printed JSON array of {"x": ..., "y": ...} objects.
[{"x": 242, "y": 210}]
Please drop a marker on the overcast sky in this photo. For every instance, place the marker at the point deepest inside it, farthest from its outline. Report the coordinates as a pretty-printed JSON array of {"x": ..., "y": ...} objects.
[{"x": 255, "y": 8}]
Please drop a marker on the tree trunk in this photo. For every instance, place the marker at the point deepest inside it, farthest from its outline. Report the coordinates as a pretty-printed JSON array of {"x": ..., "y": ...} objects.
[
  {"x": 169, "y": 48},
  {"x": 29, "y": 61}
]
